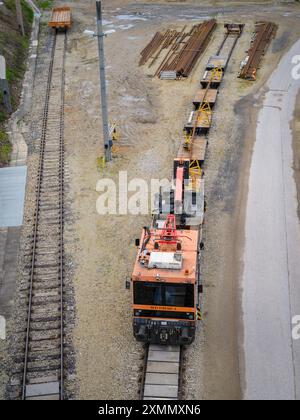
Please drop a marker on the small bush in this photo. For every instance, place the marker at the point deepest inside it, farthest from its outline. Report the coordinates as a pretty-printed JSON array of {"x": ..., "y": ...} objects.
[
  {"x": 5, "y": 148},
  {"x": 28, "y": 12},
  {"x": 10, "y": 4},
  {"x": 3, "y": 116}
]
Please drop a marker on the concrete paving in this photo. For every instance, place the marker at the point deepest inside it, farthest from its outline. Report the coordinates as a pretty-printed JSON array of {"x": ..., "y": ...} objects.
[
  {"x": 12, "y": 192},
  {"x": 271, "y": 295},
  {"x": 9, "y": 246}
]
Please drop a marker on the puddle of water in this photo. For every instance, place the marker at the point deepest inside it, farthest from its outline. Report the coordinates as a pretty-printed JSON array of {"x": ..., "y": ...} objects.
[
  {"x": 106, "y": 22},
  {"x": 131, "y": 17},
  {"x": 125, "y": 27},
  {"x": 193, "y": 17},
  {"x": 109, "y": 31},
  {"x": 130, "y": 98}
]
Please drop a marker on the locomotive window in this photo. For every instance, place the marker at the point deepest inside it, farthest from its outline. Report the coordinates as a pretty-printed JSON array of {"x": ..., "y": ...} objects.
[
  {"x": 148, "y": 294},
  {"x": 179, "y": 295},
  {"x": 167, "y": 294}
]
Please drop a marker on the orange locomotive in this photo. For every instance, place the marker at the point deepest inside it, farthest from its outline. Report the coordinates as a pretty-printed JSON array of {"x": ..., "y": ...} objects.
[
  {"x": 165, "y": 285},
  {"x": 166, "y": 276}
]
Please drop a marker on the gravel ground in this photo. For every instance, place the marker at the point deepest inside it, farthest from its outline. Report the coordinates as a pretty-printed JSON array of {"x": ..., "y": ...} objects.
[
  {"x": 101, "y": 249},
  {"x": 104, "y": 251},
  {"x": 142, "y": 107}
]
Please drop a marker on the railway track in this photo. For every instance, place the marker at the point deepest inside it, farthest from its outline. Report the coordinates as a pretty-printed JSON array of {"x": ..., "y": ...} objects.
[
  {"x": 43, "y": 357},
  {"x": 162, "y": 373},
  {"x": 163, "y": 365},
  {"x": 228, "y": 44}
]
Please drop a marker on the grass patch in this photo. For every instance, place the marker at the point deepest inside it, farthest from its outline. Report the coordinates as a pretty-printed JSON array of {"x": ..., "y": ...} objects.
[
  {"x": 14, "y": 47},
  {"x": 10, "y": 4},
  {"x": 5, "y": 148},
  {"x": 27, "y": 11},
  {"x": 3, "y": 116},
  {"x": 15, "y": 74},
  {"x": 45, "y": 4}
]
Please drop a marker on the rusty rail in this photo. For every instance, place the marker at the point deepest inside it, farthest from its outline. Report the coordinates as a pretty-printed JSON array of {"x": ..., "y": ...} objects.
[
  {"x": 264, "y": 33},
  {"x": 185, "y": 60},
  {"x": 183, "y": 48}
]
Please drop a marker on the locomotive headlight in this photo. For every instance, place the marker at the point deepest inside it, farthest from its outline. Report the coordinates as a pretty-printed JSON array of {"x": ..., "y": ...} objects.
[{"x": 138, "y": 312}]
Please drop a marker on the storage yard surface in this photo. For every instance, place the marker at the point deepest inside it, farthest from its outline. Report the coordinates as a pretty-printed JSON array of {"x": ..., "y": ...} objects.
[
  {"x": 151, "y": 133},
  {"x": 151, "y": 114}
]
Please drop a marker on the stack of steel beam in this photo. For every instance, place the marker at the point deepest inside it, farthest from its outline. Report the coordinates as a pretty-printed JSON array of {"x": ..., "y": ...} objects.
[
  {"x": 264, "y": 32},
  {"x": 151, "y": 48},
  {"x": 186, "y": 58},
  {"x": 156, "y": 45}
]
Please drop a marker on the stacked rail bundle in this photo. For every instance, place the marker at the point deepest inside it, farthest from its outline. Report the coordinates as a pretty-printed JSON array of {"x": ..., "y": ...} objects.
[
  {"x": 157, "y": 43},
  {"x": 176, "y": 46},
  {"x": 264, "y": 33},
  {"x": 185, "y": 60},
  {"x": 170, "y": 36},
  {"x": 151, "y": 48}
]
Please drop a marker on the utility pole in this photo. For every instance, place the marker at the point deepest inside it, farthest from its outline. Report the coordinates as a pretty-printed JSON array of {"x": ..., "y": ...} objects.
[
  {"x": 106, "y": 134},
  {"x": 20, "y": 16}
]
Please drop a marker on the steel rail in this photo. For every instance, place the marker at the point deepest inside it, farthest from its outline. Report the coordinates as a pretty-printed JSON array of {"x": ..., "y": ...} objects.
[{"x": 40, "y": 189}]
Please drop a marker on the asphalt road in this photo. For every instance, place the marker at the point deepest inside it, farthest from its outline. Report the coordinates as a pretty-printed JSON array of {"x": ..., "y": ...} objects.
[{"x": 271, "y": 279}]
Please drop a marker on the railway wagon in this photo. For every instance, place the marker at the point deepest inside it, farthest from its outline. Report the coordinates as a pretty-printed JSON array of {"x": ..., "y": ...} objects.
[
  {"x": 166, "y": 279},
  {"x": 61, "y": 18}
]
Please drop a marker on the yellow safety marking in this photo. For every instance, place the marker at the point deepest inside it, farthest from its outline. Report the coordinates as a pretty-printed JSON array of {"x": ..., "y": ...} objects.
[
  {"x": 195, "y": 172},
  {"x": 100, "y": 162},
  {"x": 187, "y": 141},
  {"x": 204, "y": 116},
  {"x": 199, "y": 314},
  {"x": 216, "y": 74}
]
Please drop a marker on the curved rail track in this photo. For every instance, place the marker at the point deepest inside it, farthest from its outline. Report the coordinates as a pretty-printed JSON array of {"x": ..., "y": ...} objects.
[{"x": 43, "y": 366}]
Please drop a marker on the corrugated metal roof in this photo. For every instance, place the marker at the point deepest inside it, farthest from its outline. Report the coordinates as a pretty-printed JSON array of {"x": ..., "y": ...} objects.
[{"x": 12, "y": 194}]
